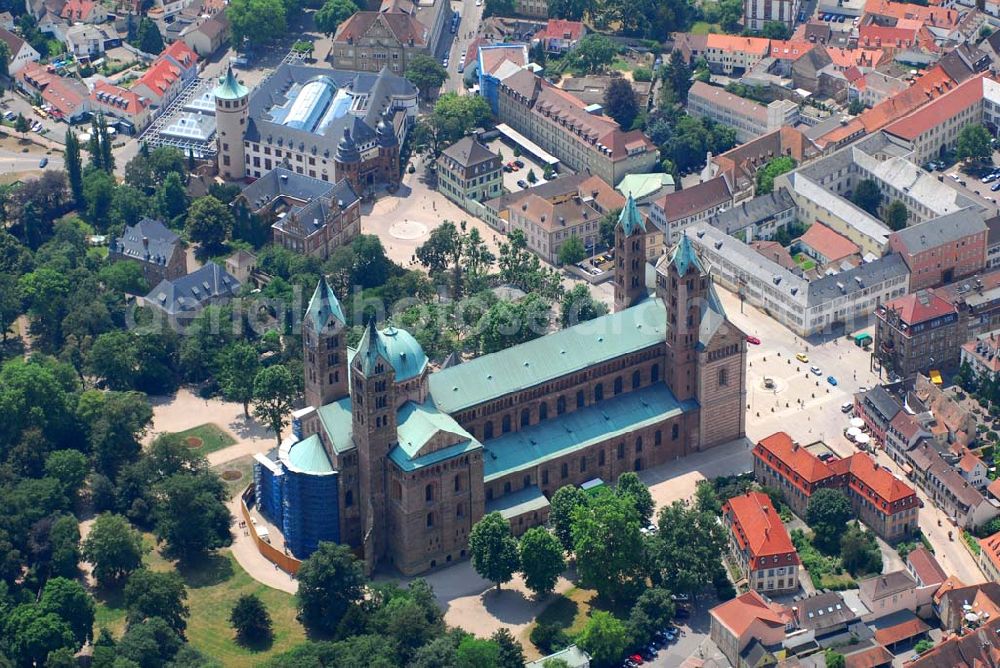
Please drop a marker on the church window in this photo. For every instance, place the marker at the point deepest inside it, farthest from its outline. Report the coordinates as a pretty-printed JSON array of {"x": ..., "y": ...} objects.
[
  {"x": 349, "y": 498},
  {"x": 488, "y": 430},
  {"x": 581, "y": 399},
  {"x": 618, "y": 385},
  {"x": 600, "y": 458},
  {"x": 560, "y": 405},
  {"x": 458, "y": 483},
  {"x": 525, "y": 417},
  {"x": 430, "y": 520},
  {"x": 723, "y": 377},
  {"x": 429, "y": 493},
  {"x": 636, "y": 379},
  {"x": 621, "y": 451},
  {"x": 505, "y": 424},
  {"x": 638, "y": 444},
  {"x": 675, "y": 431},
  {"x": 599, "y": 392},
  {"x": 506, "y": 487},
  {"x": 543, "y": 411},
  {"x": 654, "y": 373},
  {"x": 564, "y": 470}
]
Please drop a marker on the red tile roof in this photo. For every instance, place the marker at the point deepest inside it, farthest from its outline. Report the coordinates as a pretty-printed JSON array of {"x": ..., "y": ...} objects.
[
  {"x": 738, "y": 614},
  {"x": 561, "y": 29},
  {"x": 908, "y": 628},
  {"x": 757, "y": 526},
  {"x": 794, "y": 456},
  {"x": 949, "y": 105},
  {"x": 697, "y": 198},
  {"x": 991, "y": 548},
  {"x": 844, "y": 58},
  {"x": 735, "y": 43},
  {"x": 160, "y": 77},
  {"x": 868, "y": 658},
  {"x": 994, "y": 489},
  {"x": 828, "y": 243},
  {"x": 78, "y": 10},
  {"x": 181, "y": 53},
  {"x": 64, "y": 96},
  {"x": 926, "y": 567},
  {"x": 875, "y": 478},
  {"x": 403, "y": 27},
  {"x": 792, "y": 49},
  {"x": 969, "y": 461},
  {"x": 920, "y": 306},
  {"x": 132, "y": 102}
]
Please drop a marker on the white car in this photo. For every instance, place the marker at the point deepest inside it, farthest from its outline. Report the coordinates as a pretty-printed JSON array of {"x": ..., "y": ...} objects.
[{"x": 816, "y": 370}]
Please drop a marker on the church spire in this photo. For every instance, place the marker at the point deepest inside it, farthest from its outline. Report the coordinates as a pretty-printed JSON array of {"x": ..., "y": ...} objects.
[
  {"x": 684, "y": 258},
  {"x": 630, "y": 220}
]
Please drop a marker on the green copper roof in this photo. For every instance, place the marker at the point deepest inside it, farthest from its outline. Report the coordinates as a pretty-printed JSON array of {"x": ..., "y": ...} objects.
[
  {"x": 397, "y": 346},
  {"x": 630, "y": 219},
  {"x": 580, "y": 429},
  {"x": 323, "y": 307},
  {"x": 684, "y": 258},
  {"x": 524, "y": 500},
  {"x": 420, "y": 425},
  {"x": 641, "y": 185},
  {"x": 553, "y": 356},
  {"x": 309, "y": 456},
  {"x": 371, "y": 349},
  {"x": 337, "y": 421},
  {"x": 229, "y": 88}
]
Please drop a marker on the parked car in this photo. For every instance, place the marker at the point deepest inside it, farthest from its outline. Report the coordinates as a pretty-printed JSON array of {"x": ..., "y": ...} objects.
[
  {"x": 847, "y": 407},
  {"x": 680, "y": 598},
  {"x": 637, "y": 659},
  {"x": 832, "y": 380},
  {"x": 995, "y": 187},
  {"x": 802, "y": 357},
  {"x": 753, "y": 340},
  {"x": 43, "y": 163},
  {"x": 816, "y": 371},
  {"x": 519, "y": 163},
  {"x": 522, "y": 183}
]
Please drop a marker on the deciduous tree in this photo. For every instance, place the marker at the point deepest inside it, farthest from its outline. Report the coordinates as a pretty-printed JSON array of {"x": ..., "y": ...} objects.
[
  {"x": 333, "y": 12},
  {"x": 426, "y": 73},
  {"x": 578, "y": 305},
  {"x": 251, "y": 620},
  {"x": 604, "y": 638},
  {"x": 867, "y": 196},
  {"x": 827, "y": 515},
  {"x": 191, "y": 515},
  {"x": 240, "y": 365},
  {"x": 608, "y": 545},
  {"x": 273, "y": 393},
  {"x": 493, "y": 549},
  {"x": 113, "y": 547},
  {"x": 572, "y": 251},
  {"x": 563, "y": 506},
  {"x": 209, "y": 222},
  {"x": 68, "y": 599},
  {"x": 974, "y": 143},
  {"x": 630, "y": 487},
  {"x": 896, "y": 215},
  {"x": 156, "y": 594},
  {"x": 620, "y": 102},
  {"x": 331, "y": 582},
  {"x": 541, "y": 557},
  {"x": 686, "y": 549}
]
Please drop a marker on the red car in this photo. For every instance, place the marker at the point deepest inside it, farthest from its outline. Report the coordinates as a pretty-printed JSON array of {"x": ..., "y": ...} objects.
[
  {"x": 754, "y": 340},
  {"x": 636, "y": 658}
]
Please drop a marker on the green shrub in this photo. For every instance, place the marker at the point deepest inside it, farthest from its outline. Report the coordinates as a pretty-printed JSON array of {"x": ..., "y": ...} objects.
[{"x": 549, "y": 638}]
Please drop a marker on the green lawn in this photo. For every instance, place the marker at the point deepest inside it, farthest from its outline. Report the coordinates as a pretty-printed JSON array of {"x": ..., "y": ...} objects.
[
  {"x": 568, "y": 611},
  {"x": 704, "y": 28},
  {"x": 213, "y": 586},
  {"x": 243, "y": 465},
  {"x": 206, "y": 438},
  {"x": 805, "y": 262}
]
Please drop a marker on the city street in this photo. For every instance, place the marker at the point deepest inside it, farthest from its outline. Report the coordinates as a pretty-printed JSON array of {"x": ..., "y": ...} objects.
[{"x": 458, "y": 43}]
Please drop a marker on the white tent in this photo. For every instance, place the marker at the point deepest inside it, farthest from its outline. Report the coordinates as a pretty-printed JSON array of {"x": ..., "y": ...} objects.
[
  {"x": 857, "y": 422},
  {"x": 862, "y": 439},
  {"x": 853, "y": 433}
]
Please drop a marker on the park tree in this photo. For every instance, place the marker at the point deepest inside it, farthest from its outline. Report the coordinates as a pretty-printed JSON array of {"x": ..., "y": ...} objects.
[
  {"x": 443, "y": 252},
  {"x": 563, "y": 506},
  {"x": 68, "y": 599},
  {"x": 685, "y": 551},
  {"x": 113, "y": 547},
  {"x": 255, "y": 21},
  {"x": 974, "y": 143},
  {"x": 191, "y": 515},
  {"x": 676, "y": 80},
  {"x": 651, "y": 612},
  {"x": 171, "y": 197},
  {"x": 593, "y": 53},
  {"x": 240, "y": 365},
  {"x": 541, "y": 557},
  {"x": 511, "y": 653},
  {"x": 114, "y": 424},
  {"x": 775, "y": 30},
  {"x": 31, "y": 634},
  {"x": 620, "y": 102},
  {"x": 61, "y": 544},
  {"x": 532, "y": 179},
  {"x": 74, "y": 167},
  {"x": 867, "y": 196},
  {"x": 70, "y": 468},
  {"x": 570, "y": 10},
  {"x": 578, "y": 305},
  {"x": 21, "y": 125},
  {"x": 827, "y": 514},
  {"x": 209, "y": 222},
  {"x": 572, "y": 251},
  {"x": 331, "y": 583},
  {"x": 148, "y": 38},
  {"x": 508, "y": 323},
  {"x": 426, "y": 73},
  {"x": 473, "y": 652},
  {"x": 632, "y": 488},
  {"x": 10, "y": 303},
  {"x": 156, "y": 594},
  {"x": 152, "y": 644},
  {"x": 493, "y": 549},
  {"x": 604, "y": 638},
  {"x": 774, "y": 168},
  {"x": 251, "y": 620},
  {"x": 896, "y": 215},
  {"x": 608, "y": 545},
  {"x": 274, "y": 392},
  {"x": 98, "y": 193},
  {"x": 333, "y": 12},
  {"x": 455, "y": 116}
]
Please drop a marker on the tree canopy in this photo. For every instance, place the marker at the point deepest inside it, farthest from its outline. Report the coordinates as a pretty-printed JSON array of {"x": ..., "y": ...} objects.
[
  {"x": 827, "y": 515},
  {"x": 426, "y": 73},
  {"x": 974, "y": 143},
  {"x": 333, "y": 12},
  {"x": 620, "y": 102},
  {"x": 331, "y": 583},
  {"x": 493, "y": 549}
]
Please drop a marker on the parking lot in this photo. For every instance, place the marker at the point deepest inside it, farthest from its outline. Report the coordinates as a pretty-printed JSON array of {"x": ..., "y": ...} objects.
[
  {"x": 970, "y": 184},
  {"x": 511, "y": 178}
]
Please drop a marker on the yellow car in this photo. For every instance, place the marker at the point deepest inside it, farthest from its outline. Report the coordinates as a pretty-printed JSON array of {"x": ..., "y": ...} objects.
[{"x": 802, "y": 357}]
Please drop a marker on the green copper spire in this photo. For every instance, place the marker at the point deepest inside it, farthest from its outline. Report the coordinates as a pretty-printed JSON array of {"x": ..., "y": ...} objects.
[
  {"x": 229, "y": 88},
  {"x": 684, "y": 258},
  {"x": 371, "y": 347},
  {"x": 323, "y": 307},
  {"x": 630, "y": 219}
]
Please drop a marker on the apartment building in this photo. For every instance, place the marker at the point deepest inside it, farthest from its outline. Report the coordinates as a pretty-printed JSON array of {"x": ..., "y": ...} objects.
[
  {"x": 989, "y": 557},
  {"x": 468, "y": 171},
  {"x": 759, "y": 218},
  {"x": 760, "y": 544},
  {"x": 560, "y": 124},
  {"x": 676, "y": 211},
  {"x": 538, "y": 9},
  {"x": 750, "y": 119},
  {"x": 804, "y": 306},
  {"x": 959, "y": 499},
  {"x": 559, "y": 35},
  {"x": 554, "y": 212},
  {"x": 935, "y": 127},
  {"x": 916, "y": 333},
  {"x": 746, "y": 619},
  {"x": 885, "y": 504},
  {"x": 982, "y": 355},
  {"x": 740, "y": 164},
  {"x": 725, "y": 54},
  {"x": 758, "y": 12},
  {"x": 944, "y": 249}
]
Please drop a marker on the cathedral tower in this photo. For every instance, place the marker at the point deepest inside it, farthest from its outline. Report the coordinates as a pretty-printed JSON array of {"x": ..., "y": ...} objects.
[
  {"x": 232, "y": 104},
  {"x": 324, "y": 343},
  {"x": 630, "y": 256},
  {"x": 347, "y": 161},
  {"x": 683, "y": 284},
  {"x": 373, "y": 407}
]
